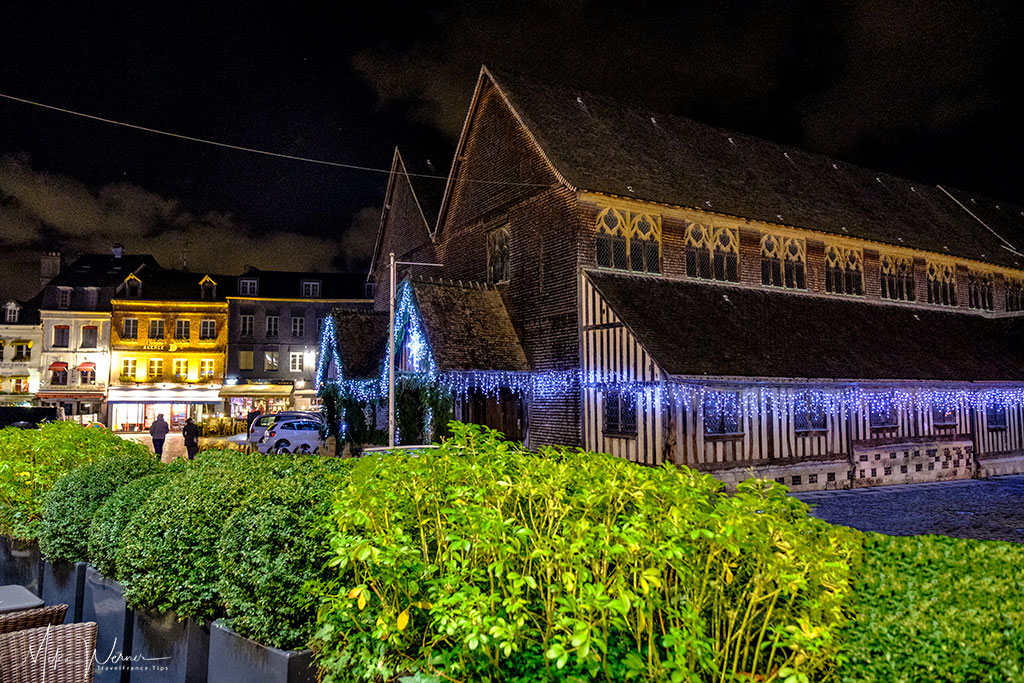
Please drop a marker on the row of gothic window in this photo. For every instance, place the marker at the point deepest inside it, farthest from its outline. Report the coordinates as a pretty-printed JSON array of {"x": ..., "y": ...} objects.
[
  {"x": 721, "y": 415},
  {"x": 633, "y": 242}
]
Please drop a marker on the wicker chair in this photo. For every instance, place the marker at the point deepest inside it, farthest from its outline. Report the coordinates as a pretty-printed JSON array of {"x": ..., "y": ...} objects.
[
  {"x": 32, "y": 618},
  {"x": 54, "y": 654}
]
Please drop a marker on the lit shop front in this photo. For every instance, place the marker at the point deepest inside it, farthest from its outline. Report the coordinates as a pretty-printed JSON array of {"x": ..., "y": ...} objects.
[
  {"x": 133, "y": 409},
  {"x": 271, "y": 398}
]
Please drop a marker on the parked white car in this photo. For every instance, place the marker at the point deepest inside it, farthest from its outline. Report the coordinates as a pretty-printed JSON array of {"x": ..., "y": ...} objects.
[
  {"x": 262, "y": 423},
  {"x": 292, "y": 435}
]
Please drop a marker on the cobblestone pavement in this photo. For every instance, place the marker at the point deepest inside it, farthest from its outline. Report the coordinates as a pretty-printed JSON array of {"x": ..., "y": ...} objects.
[{"x": 990, "y": 509}]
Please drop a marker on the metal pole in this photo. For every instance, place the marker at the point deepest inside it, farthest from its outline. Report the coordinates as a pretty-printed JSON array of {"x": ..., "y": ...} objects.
[{"x": 391, "y": 357}]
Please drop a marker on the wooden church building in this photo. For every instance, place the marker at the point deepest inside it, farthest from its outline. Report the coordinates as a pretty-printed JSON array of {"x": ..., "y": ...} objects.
[{"x": 669, "y": 292}]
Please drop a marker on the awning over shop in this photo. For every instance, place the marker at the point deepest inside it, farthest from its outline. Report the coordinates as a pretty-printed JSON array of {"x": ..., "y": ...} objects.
[
  {"x": 56, "y": 367},
  {"x": 87, "y": 366},
  {"x": 158, "y": 395},
  {"x": 256, "y": 390},
  {"x": 74, "y": 395}
]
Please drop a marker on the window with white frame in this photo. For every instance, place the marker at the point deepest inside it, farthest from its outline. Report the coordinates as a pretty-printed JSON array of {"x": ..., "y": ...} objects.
[
  {"x": 206, "y": 368},
  {"x": 783, "y": 262},
  {"x": 246, "y": 324},
  {"x": 87, "y": 376},
  {"x": 208, "y": 329},
  {"x": 311, "y": 289},
  {"x": 629, "y": 241},
  {"x": 844, "y": 270},
  {"x": 273, "y": 321},
  {"x": 22, "y": 352},
  {"x": 981, "y": 291},
  {"x": 130, "y": 328},
  {"x": 295, "y": 361},
  {"x": 156, "y": 328},
  {"x": 619, "y": 413},
  {"x": 298, "y": 327},
  {"x": 897, "y": 277},
  {"x": 64, "y": 297},
  {"x": 90, "y": 337},
  {"x": 20, "y": 385},
  {"x": 129, "y": 366},
  {"x": 721, "y": 412},
  {"x": 942, "y": 284},
  {"x": 248, "y": 286},
  {"x": 270, "y": 360},
  {"x": 712, "y": 253},
  {"x": 182, "y": 328},
  {"x": 61, "y": 336},
  {"x": 12, "y": 313},
  {"x": 180, "y": 368},
  {"x": 156, "y": 368}
]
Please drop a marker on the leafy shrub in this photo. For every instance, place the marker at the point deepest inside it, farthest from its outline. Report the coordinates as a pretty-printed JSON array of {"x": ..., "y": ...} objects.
[
  {"x": 482, "y": 561},
  {"x": 930, "y": 608},
  {"x": 31, "y": 462},
  {"x": 270, "y": 547},
  {"x": 167, "y": 557},
  {"x": 112, "y": 518},
  {"x": 69, "y": 507}
]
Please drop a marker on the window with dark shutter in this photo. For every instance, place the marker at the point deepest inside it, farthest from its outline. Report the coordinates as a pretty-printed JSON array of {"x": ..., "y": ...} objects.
[{"x": 619, "y": 414}]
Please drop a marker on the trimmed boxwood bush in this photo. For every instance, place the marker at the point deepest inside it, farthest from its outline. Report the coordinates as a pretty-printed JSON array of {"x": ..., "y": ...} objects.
[
  {"x": 270, "y": 547},
  {"x": 69, "y": 507},
  {"x": 32, "y": 460},
  {"x": 930, "y": 608},
  {"x": 108, "y": 526},
  {"x": 482, "y": 561}
]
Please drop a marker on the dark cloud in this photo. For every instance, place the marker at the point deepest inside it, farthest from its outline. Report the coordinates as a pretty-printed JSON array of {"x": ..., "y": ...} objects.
[{"x": 41, "y": 210}]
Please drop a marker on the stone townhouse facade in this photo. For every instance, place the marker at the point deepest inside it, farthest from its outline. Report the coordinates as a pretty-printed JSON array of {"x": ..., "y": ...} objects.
[{"x": 686, "y": 294}]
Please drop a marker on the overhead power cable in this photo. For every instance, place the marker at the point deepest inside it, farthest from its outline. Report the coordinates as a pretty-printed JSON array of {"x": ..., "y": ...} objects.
[{"x": 239, "y": 148}]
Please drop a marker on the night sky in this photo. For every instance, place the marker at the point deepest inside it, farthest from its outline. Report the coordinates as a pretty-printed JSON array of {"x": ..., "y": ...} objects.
[{"x": 926, "y": 90}]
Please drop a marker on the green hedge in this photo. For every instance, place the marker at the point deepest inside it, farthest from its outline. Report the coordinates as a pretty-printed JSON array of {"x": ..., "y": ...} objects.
[
  {"x": 32, "y": 460},
  {"x": 482, "y": 561},
  {"x": 69, "y": 507},
  {"x": 930, "y": 608},
  {"x": 108, "y": 526},
  {"x": 270, "y": 547}
]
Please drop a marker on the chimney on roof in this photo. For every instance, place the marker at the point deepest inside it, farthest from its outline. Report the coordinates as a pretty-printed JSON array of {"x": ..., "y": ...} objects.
[
  {"x": 49, "y": 267},
  {"x": 117, "y": 250}
]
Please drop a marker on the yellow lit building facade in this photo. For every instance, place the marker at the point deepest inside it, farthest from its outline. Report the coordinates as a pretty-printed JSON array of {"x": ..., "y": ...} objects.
[{"x": 168, "y": 341}]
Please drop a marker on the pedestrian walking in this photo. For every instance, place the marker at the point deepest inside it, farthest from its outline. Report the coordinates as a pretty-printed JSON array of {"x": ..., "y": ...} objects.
[
  {"x": 191, "y": 434},
  {"x": 158, "y": 430}
]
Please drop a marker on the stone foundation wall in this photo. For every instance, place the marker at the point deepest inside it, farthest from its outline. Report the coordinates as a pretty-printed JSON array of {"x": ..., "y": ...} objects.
[
  {"x": 812, "y": 475},
  {"x": 905, "y": 463},
  {"x": 1004, "y": 463}
]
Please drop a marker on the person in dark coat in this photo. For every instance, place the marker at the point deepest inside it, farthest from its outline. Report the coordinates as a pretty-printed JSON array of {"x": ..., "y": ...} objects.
[
  {"x": 191, "y": 434},
  {"x": 253, "y": 415},
  {"x": 158, "y": 430}
]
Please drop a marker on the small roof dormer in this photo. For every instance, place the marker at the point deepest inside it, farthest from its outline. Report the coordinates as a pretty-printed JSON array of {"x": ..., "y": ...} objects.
[
  {"x": 133, "y": 286},
  {"x": 207, "y": 288}
]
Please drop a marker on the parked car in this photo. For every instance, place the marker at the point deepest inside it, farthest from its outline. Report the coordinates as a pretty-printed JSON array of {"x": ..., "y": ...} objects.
[
  {"x": 292, "y": 435},
  {"x": 261, "y": 424}
]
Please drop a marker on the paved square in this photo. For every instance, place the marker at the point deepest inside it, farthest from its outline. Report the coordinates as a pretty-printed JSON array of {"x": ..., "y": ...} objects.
[{"x": 991, "y": 509}]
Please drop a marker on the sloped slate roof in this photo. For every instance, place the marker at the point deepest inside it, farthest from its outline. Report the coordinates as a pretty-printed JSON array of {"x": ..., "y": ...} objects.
[
  {"x": 280, "y": 284},
  {"x": 362, "y": 339},
  {"x": 102, "y": 270},
  {"x": 468, "y": 328},
  {"x": 166, "y": 284},
  {"x": 602, "y": 145},
  {"x": 701, "y": 329}
]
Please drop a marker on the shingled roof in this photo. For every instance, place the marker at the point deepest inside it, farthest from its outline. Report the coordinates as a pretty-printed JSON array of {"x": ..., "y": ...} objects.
[
  {"x": 602, "y": 145},
  {"x": 362, "y": 338},
  {"x": 702, "y": 329},
  {"x": 166, "y": 284},
  {"x": 468, "y": 327}
]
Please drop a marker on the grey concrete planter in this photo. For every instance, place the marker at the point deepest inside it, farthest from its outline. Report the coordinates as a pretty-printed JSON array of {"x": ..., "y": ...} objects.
[
  {"x": 20, "y": 564},
  {"x": 166, "y": 650},
  {"x": 234, "y": 659},
  {"x": 64, "y": 582},
  {"x": 103, "y": 602}
]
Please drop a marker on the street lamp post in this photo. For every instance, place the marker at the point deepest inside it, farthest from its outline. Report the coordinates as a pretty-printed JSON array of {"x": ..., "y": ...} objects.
[{"x": 391, "y": 342}]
